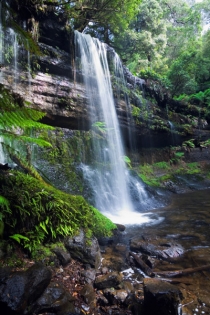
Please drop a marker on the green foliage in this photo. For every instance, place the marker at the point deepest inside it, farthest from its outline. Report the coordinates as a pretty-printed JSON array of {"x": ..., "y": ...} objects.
[
  {"x": 158, "y": 173},
  {"x": 193, "y": 168},
  {"x": 41, "y": 213},
  {"x": 135, "y": 111},
  {"x": 100, "y": 126},
  {"x": 188, "y": 143},
  {"x": 155, "y": 174},
  {"x": 4, "y": 209},
  {"x": 161, "y": 165},
  {"x": 127, "y": 161},
  {"x": 17, "y": 123},
  {"x": 177, "y": 157},
  {"x": 101, "y": 225},
  {"x": 19, "y": 237},
  {"x": 205, "y": 143},
  {"x": 182, "y": 74}
]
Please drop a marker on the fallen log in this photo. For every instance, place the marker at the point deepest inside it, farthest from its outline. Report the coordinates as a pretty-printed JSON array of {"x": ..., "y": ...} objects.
[
  {"x": 177, "y": 280},
  {"x": 146, "y": 269},
  {"x": 184, "y": 272}
]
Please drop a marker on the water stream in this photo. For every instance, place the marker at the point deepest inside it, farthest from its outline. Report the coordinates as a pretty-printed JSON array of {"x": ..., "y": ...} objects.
[
  {"x": 186, "y": 221},
  {"x": 174, "y": 134}
]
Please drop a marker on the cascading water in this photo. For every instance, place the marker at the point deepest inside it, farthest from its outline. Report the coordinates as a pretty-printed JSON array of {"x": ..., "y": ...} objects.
[
  {"x": 120, "y": 89},
  {"x": 107, "y": 176},
  {"x": 2, "y": 156},
  {"x": 1, "y": 44},
  {"x": 174, "y": 135},
  {"x": 15, "y": 53},
  {"x": 29, "y": 68}
]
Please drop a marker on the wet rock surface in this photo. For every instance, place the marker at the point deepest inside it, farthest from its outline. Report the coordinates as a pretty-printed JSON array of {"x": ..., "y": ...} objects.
[
  {"x": 55, "y": 299},
  {"x": 63, "y": 256},
  {"x": 156, "y": 248},
  {"x": 118, "y": 286},
  {"x": 19, "y": 290},
  {"x": 83, "y": 249},
  {"x": 161, "y": 298},
  {"x": 78, "y": 285}
]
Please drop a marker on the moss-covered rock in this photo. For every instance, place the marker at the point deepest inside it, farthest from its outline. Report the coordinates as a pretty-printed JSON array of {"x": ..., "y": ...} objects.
[{"x": 39, "y": 212}]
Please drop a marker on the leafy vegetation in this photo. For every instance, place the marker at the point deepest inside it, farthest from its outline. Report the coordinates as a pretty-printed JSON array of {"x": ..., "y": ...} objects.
[
  {"x": 35, "y": 213},
  {"x": 17, "y": 123},
  {"x": 158, "y": 40},
  {"x": 159, "y": 173}
]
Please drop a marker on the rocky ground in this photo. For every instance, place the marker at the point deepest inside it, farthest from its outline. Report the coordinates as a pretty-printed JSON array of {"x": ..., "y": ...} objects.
[{"x": 131, "y": 279}]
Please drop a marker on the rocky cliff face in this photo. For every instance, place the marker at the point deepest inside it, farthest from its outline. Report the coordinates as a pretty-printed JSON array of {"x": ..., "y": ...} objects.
[{"x": 55, "y": 87}]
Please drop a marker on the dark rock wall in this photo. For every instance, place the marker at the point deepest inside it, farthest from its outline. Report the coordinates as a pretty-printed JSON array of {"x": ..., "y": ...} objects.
[{"x": 56, "y": 88}]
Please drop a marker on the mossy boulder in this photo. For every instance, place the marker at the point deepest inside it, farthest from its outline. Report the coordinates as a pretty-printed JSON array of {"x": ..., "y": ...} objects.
[{"x": 39, "y": 213}]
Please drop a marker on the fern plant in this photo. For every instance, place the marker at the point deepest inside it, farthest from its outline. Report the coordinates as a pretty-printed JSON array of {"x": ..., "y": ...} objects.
[{"x": 17, "y": 121}]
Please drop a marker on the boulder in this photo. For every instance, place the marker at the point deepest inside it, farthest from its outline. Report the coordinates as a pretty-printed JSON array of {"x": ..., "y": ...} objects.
[
  {"x": 89, "y": 275},
  {"x": 84, "y": 249},
  {"x": 161, "y": 298},
  {"x": 63, "y": 256},
  {"x": 20, "y": 289},
  {"x": 55, "y": 299},
  {"x": 115, "y": 296},
  {"x": 89, "y": 295},
  {"x": 159, "y": 248},
  {"x": 109, "y": 280}
]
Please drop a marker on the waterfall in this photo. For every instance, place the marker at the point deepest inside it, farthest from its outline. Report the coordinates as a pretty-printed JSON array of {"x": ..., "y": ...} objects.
[
  {"x": 174, "y": 134},
  {"x": 29, "y": 67},
  {"x": 120, "y": 87},
  {"x": 1, "y": 44},
  {"x": 109, "y": 179},
  {"x": 107, "y": 175},
  {"x": 15, "y": 51}
]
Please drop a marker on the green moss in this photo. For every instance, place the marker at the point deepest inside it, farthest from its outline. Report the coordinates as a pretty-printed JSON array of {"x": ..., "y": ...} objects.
[
  {"x": 60, "y": 163},
  {"x": 161, "y": 165},
  {"x": 158, "y": 173},
  {"x": 42, "y": 213}
]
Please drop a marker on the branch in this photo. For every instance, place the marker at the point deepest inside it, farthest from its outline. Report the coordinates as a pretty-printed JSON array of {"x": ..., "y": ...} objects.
[
  {"x": 146, "y": 269},
  {"x": 183, "y": 272}
]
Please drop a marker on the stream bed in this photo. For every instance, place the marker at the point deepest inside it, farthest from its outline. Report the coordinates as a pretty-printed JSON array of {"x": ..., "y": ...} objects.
[{"x": 186, "y": 221}]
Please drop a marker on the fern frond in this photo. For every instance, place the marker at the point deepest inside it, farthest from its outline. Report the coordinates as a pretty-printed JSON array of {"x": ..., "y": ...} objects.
[
  {"x": 4, "y": 202},
  {"x": 40, "y": 142},
  {"x": 22, "y": 118},
  {"x": 16, "y": 124},
  {"x": 11, "y": 137}
]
